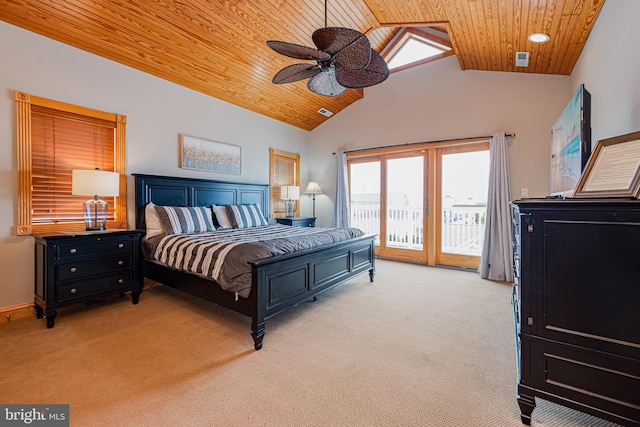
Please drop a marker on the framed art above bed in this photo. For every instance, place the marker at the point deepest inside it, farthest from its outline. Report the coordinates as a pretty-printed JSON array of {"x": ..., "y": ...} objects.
[{"x": 213, "y": 156}]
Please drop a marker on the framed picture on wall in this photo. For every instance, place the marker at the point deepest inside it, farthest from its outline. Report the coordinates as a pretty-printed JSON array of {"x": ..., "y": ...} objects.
[{"x": 212, "y": 156}]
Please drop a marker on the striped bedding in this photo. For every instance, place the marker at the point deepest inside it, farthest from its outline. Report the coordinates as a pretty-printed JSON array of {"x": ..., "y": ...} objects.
[{"x": 223, "y": 255}]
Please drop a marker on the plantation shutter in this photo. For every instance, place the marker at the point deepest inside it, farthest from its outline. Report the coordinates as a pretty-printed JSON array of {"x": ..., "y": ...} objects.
[
  {"x": 61, "y": 142},
  {"x": 284, "y": 171}
]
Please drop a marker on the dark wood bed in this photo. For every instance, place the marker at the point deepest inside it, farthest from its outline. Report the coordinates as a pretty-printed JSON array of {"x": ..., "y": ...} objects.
[{"x": 278, "y": 283}]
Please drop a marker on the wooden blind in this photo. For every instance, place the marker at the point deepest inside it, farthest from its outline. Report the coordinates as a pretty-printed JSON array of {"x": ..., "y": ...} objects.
[
  {"x": 285, "y": 170},
  {"x": 60, "y": 144}
]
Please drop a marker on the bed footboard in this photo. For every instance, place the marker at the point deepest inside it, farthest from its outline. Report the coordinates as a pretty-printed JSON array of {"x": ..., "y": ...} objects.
[{"x": 284, "y": 282}]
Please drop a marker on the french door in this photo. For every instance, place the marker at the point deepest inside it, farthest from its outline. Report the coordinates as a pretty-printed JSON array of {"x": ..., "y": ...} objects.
[
  {"x": 387, "y": 194},
  {"x": 426, "y": 205}
]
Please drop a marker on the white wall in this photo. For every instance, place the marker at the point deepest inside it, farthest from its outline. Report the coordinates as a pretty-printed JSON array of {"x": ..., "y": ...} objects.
[
  {"x": 438, "y": 101},
  {"x": 609, "y": 67},
  {"x": 157, "y": 112}
]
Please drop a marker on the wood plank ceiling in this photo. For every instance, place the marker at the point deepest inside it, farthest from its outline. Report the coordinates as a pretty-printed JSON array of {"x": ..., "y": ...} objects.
[{"x": 218, "y": 47}]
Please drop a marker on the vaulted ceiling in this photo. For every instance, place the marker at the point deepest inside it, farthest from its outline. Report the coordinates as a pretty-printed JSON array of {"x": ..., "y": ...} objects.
[{"x": 218, "y": 47}]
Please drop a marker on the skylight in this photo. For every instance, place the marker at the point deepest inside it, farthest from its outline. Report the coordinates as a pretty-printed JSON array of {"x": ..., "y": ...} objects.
[{"x": 413, "y": 47}]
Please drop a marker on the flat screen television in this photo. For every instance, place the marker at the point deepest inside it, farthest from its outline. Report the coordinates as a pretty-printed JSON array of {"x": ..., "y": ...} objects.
[{"x": 571, "y": 143}]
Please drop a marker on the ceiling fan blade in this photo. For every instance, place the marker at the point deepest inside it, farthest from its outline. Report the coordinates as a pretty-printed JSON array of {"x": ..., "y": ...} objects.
[
  {"x": 325, "y": 83},
  {"x": 376, "y": 72},
  {"x": 297, "y": 51},
  {"x": 295, "y": 72},
  {"x": 351, "y": 48}
]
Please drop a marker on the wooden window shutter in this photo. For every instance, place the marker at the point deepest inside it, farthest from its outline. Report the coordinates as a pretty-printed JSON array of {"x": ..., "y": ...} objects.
[{"x": 284, "y": 170}]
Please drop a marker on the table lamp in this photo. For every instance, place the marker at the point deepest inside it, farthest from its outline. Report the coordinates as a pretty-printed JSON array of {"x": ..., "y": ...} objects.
[
  {"x": 289, "y": 193},
  {"x": 95, "y": 183}
]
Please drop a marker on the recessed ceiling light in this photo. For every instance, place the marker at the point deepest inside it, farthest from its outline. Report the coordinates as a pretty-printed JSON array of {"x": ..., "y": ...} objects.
[{"x": 539, "y": 37}]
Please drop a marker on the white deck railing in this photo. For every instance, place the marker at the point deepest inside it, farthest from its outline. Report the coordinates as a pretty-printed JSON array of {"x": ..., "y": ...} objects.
[{"x": 462, "y": 227}]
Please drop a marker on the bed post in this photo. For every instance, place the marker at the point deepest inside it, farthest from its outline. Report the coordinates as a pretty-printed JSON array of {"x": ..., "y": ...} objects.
[{"x": 259, "y": 302}]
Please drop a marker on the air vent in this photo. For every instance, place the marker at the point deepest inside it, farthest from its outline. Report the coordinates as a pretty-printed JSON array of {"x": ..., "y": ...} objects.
[
  {"x": 325, "y": 112},
  {"x": 522, "y": 59}
]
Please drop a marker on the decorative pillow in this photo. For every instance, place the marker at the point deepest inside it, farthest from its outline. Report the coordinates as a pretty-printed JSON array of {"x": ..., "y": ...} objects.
[
  {"x": 152, "y": 220},
  {"x": 181, "y": 220},
  {"x": 220, "y": 215},
  {"x": 245, "y": 216}
]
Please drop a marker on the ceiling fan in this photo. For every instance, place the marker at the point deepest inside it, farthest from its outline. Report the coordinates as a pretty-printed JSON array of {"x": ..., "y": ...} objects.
[{"x": 344, "y": 59}]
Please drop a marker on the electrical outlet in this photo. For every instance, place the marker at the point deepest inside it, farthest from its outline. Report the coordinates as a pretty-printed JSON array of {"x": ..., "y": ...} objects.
[{"x": 525, "y": 192}]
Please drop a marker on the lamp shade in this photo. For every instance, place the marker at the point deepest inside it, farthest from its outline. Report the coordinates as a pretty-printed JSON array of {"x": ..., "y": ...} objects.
[
  {"x": 95, "y": 183},
  {"x": 313, "y": 188},
  {"x": 289, "y": 192}
]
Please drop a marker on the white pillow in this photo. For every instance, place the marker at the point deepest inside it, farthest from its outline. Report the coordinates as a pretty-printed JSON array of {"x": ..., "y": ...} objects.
[
  {"x": 153, "y": 222},
  {"x": 221, "y": 216}
]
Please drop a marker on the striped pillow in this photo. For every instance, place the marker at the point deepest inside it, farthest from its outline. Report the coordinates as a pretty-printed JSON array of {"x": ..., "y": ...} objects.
[
  {"x": 245, "y": 216},
  {"x": 220, "y": 216},
  {"x": 181, "y": 220}
]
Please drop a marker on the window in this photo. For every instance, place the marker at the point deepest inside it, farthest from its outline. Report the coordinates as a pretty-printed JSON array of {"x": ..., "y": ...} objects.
[
  {"x": 412, "y": 47},
  {"x": 53, "y": 138},
  {"x": 284, "y": 169}
]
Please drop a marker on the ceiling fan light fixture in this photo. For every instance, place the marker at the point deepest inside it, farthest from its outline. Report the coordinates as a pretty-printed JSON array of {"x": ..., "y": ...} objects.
[
  {"x": 325, "y": 83},
  {"x": 539, "y": 37}
]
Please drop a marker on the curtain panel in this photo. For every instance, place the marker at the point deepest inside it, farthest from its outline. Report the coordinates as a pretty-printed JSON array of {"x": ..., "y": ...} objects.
[
  {"x": 341, "y": 206},
  {"x": 497, "y": 252}
]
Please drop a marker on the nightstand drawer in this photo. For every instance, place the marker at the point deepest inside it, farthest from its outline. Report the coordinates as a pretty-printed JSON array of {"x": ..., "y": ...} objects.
[
  {"x": 93, "y": 267},
  {"x": 92, "y": 246},
  {"x": 110, "y": 284}
]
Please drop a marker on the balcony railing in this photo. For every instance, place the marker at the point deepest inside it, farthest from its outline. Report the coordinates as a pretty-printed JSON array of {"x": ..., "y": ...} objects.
[{"x": 462, "y": 228}]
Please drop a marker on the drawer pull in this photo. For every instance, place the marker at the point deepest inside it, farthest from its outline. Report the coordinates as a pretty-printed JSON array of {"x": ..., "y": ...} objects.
[
  {"x": 73, "y": 269},
  {"x": 73, "y": 290},
  {"x": 121, "y": 245},
  {"x": 120, "y": 262},
  {"x": 73, "y": 250},
  {"x": 121, "y": 281}
]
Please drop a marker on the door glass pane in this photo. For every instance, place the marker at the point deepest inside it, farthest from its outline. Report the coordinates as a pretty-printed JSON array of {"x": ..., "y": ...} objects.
[
  {"x": 465, "y": 184},
  {"x": 405, "y": 177},
  {"x": 365, "y": 197}
]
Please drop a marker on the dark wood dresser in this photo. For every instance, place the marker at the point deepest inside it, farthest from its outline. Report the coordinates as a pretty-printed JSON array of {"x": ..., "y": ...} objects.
[
  {"x": 79, "y": 267},
  {"x": 576, "y": 299}
]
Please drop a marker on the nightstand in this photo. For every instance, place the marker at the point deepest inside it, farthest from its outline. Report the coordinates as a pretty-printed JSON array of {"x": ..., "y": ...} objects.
[
  {"x": 297, "y": 221},
  {"x": 84, "y": 266}
]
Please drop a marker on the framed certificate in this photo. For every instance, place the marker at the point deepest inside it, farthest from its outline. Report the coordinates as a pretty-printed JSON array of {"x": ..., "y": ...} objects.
[{"x": 613, "y": 170}]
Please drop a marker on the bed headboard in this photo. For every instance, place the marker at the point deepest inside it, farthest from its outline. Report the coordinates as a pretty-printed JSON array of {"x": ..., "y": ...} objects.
[{"x": 174, "y": 191}]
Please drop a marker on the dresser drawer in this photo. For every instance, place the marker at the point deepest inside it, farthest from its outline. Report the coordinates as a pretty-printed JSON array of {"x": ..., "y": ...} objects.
[
  {"x": 102, "y": 285},
  {"x": 93, "y": 267},
  {"x": 93, "y": 246},
  {"x": 594, "y": 378}
]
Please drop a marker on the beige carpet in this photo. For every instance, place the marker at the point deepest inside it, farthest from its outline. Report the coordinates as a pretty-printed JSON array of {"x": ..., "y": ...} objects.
[{"x": 419, "y": 347}]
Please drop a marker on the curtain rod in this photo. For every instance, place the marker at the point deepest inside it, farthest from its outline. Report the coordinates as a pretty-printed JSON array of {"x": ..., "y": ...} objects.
[{"x": 508, "y": 135}]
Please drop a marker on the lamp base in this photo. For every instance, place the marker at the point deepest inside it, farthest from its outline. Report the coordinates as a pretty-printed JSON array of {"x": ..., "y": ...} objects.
[
  {"x": 95, "y": 214},
  {"x": 289, "y": 208}
]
